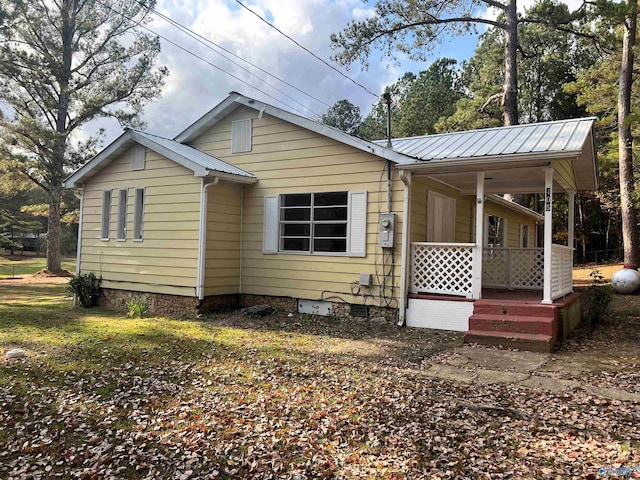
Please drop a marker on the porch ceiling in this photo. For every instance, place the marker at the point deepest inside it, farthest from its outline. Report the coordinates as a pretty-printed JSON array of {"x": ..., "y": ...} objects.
[{"x": 512, "y": 180}]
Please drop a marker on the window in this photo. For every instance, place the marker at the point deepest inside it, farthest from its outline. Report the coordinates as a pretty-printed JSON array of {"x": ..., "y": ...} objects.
[
  {"x": 106, "y": 215},
  {"x": 138, "y": 157},
  {"x": 495, "y": 229},
  {"x": 314, "y": 222},
  {"x": 138, "y": 214},
  {"x": 241, "y": 136},
  {"x": 524, "y": 236},
  {"x": 121, "y": 231}
]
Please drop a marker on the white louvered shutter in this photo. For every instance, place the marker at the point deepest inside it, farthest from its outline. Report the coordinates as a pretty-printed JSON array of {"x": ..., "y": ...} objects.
[
  {"x": 270, "y": 227},
  {"x": 357, "y": 239},
  {"x": 241, "y": 136}
]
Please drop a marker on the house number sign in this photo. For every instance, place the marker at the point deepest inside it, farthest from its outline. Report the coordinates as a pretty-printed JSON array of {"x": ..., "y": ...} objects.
[{"x": 547, "y": 200}]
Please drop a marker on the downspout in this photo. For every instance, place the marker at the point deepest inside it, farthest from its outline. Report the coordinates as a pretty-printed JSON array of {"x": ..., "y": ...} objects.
[
  {"x": 241, "y": 237},
  {"x": 204, "y": 204},
  {"x": 80, "y": 197},
  {"x": 405, "y": 176}
]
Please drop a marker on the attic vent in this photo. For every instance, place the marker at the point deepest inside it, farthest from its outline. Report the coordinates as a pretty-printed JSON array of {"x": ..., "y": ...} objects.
[
  {"x": 138, "y": 157},
  {"x": 241, "y": 136}
]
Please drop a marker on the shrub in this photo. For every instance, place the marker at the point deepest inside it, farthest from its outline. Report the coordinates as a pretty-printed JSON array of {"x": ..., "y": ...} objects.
[
  {"x": 598, "y": 297},
  {"x": 86, "y": 288},
  {"x": 137, "y": 307}
]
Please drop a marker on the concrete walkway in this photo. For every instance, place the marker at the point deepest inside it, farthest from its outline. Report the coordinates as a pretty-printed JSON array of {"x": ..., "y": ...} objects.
[{"x": 480, "y": 365}]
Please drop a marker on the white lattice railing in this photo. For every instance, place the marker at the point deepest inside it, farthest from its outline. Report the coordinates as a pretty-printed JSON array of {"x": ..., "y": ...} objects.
[
  {"x": 513, "y": 268},
  {"x": 445, "y": 268},
  {"x": 561, "y": 271}
]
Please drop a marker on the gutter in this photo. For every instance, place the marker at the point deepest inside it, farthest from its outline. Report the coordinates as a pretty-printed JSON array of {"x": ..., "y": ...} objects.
[
  {"x": 204, "y": 203},
  {"x": 80, "y": 197},
  {"x": 404, "y": 265}
]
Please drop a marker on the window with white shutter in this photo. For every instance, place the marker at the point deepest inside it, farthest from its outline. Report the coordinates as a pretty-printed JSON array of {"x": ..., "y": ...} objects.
[
  {"x": 241, "y": 136},
  {"x": 121, "y": 230},
  {"x": 106, "y": 215},
  {"x": 138, "y": 157},
  {"x": 316, "y": 223},
  {"x": 138, "y": 214}
]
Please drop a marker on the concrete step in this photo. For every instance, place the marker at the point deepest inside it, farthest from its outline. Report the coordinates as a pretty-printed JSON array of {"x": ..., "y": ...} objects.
[
  {"x": 509, "y": 323},
  {"x": 523, "y": 341},
  {"x": 498, "y": 307}
]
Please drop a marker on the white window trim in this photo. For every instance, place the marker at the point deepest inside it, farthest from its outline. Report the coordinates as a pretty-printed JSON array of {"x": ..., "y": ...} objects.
[
  {"x": 135, "y": 211},
  {"x": 122, "y": 215},
  {"x": 312, "y": 222},
  {"x": 106, "y": 212}
]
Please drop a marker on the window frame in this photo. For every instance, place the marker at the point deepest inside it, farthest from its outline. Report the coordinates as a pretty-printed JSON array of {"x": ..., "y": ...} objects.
[
  {"x": 138, "y": 215},
  {"x": 105, "y": 220},
  {"x": 312, "y": 222},
  {"x": 121, "y": 222},
  {"x": 524, "y": 238},
  {"x": 503, "y": 239}
]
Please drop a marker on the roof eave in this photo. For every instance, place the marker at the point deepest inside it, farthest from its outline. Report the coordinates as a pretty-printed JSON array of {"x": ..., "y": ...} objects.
[{"x": 515, "y": 206}]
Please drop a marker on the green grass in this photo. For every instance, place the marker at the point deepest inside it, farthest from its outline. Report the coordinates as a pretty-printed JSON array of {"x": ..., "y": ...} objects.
[{"x": 17, "y": 265}]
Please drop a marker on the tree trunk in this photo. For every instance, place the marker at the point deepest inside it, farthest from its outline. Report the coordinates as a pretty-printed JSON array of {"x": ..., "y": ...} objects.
[
  {"x": 625, "y": 140},
  {"x": 54, "y": 260},
  {"x": 510, "y": 92}
]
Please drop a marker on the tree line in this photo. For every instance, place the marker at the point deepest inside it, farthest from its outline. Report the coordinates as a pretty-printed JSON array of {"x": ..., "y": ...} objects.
[{"x": 562, "y": 65}]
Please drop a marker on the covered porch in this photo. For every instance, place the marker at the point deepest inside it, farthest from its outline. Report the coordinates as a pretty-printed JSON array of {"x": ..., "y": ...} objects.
[{"x": 443, "y": 279}]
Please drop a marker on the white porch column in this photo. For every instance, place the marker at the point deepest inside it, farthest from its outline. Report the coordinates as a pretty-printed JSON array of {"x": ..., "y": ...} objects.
[
  {"x": 571, "y": 220},
  {"x": 405, "y": 263},
  {"x": 477, "y": 252},
  {"x": 548, "y": 233}
]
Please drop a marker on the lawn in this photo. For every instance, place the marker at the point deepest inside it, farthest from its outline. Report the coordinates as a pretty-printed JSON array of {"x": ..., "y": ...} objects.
[
  {"x": 102, "y": 396},
  {"x": 18, "y": 265}
]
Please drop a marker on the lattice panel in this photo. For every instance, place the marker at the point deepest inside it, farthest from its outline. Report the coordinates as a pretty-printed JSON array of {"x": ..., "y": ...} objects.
[
  {"x": 442, "y": 269},
  {"x": 561, "y": 271},
  {"x": 527, "y": 268},
  {"x": 495, "y": 267}
]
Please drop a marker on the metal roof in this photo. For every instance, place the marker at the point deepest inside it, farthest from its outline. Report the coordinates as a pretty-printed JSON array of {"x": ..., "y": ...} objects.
[
  {"x": 195, "y": 160},
  {"x": 559, "y": 136},
  {"x": 204, "y": 160}
]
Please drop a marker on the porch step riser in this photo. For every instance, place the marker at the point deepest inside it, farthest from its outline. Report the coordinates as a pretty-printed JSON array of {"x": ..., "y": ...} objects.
[
  {"x": 530, "y": 342},
  {"x": 513, "y": 310},
  {"x": 509, "y": 324}
]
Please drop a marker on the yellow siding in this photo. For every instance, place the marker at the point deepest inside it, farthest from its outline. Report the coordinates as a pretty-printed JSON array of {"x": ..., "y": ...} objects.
[
  {"x": 222, "y": 267},
  {"x": 514, "y": 220},
  {"x": 165, "y": 261},
  {"x": 420, "y": 187},
  {"x": 290, "y": 159}
]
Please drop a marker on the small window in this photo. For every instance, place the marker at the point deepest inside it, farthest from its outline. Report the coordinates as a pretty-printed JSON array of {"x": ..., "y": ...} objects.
[
  {"x": 138, "y": 157},
  {"x": 122, "y": 215},
  {"x": 524, "y": 236},
  {"x": 106, "y": 214},
  {"x": 138, "y": 214},
  {"x": 314, "y": 222},
  {"x": 496, "y": 227},
  {"x": 241, "y": 136}
]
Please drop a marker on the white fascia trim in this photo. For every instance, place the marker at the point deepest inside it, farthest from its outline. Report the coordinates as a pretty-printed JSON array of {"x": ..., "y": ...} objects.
[
  {"x": 209, "y": 119},
  {"x": 96, "y": 161},
  {"x": 481, "y": 163},
  {"x": 514, "y": 206},
  {"x": 229, "y": 177}
]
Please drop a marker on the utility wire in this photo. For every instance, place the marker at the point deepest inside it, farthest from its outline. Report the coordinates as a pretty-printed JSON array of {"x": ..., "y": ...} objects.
[
  {"x": 192, "y": 33},
  {"x": 203, "y": 59},
  {"x": 306, "y": 49}
]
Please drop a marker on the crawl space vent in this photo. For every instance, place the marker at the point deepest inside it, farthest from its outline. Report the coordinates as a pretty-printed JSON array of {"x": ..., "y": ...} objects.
[{"x": 359, "y": 311}]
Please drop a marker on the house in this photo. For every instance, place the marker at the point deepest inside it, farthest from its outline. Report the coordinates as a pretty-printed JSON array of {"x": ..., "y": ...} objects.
[{"x": 253, "y": 204}]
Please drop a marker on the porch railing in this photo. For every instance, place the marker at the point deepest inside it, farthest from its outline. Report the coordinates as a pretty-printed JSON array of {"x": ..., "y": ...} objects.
[
  {"x": 444, "y": 268},
  {"x": 513, "y": 268},
  {"x": 561, "y": 271}
]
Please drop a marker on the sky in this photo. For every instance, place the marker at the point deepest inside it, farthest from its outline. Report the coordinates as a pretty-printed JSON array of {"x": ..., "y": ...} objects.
[{"x": 193, "y": 87}]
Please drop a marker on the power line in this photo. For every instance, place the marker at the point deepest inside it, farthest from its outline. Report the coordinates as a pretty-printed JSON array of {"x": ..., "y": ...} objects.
[
  {"x": 306, "y": 49},
  {"x": 203, "y": 59},
  {"x": 194, "y": 34}
]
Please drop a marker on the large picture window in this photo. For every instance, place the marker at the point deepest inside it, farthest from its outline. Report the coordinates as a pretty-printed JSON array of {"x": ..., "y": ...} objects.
[{"x": 314, "y": 222}]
